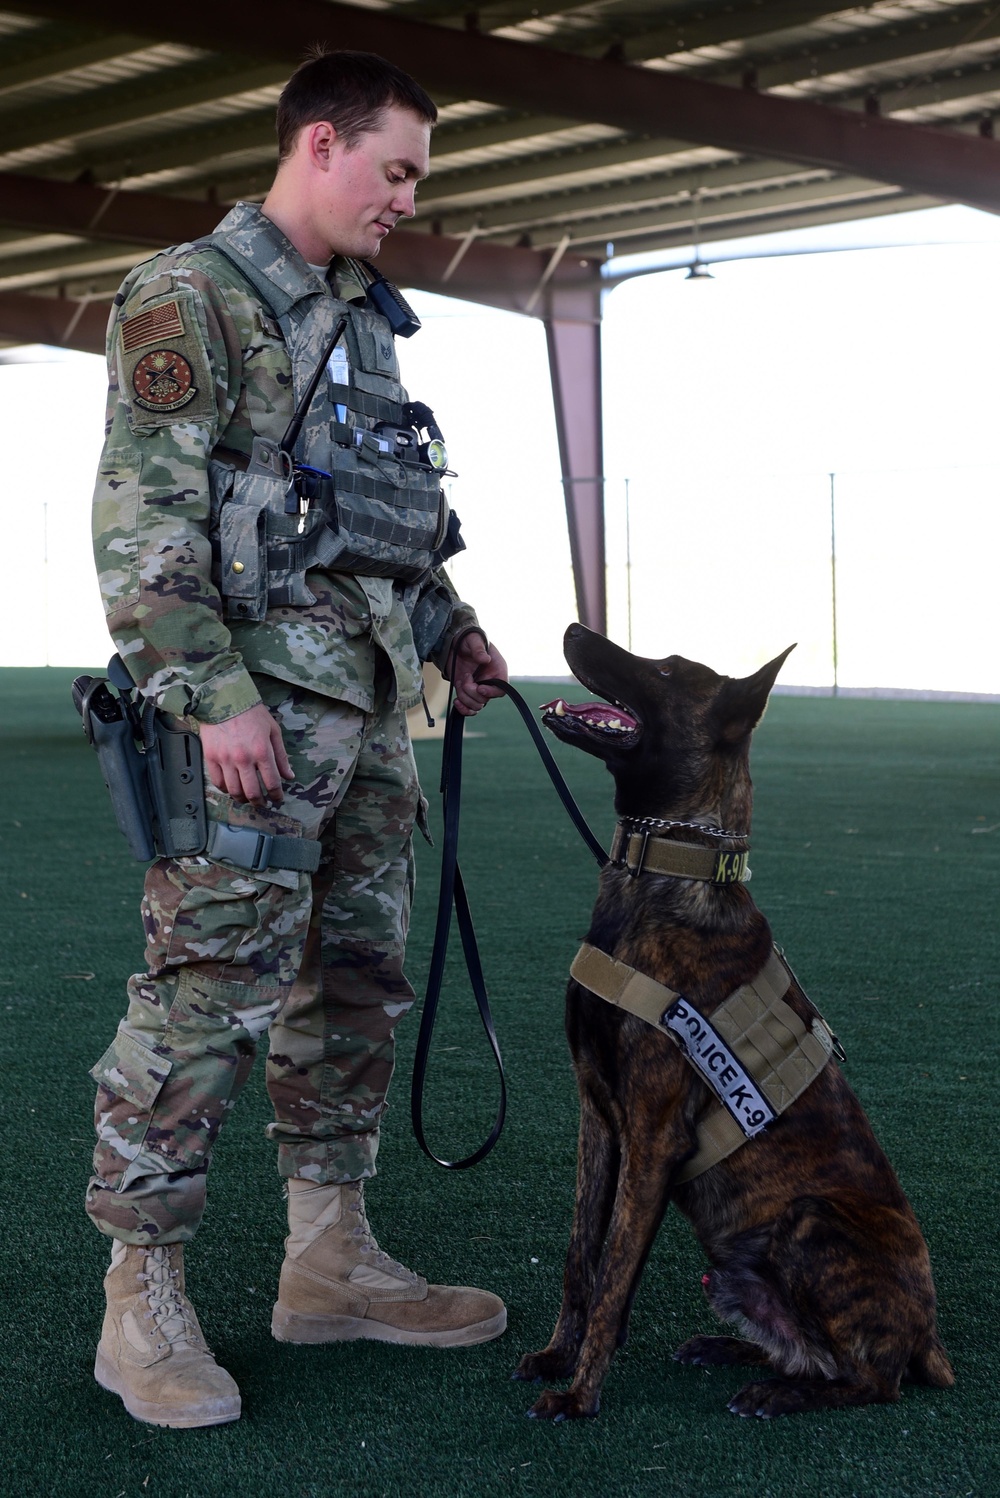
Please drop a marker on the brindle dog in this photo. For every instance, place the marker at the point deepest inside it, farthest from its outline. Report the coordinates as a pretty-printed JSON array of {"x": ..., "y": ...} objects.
[{"x": 815, "y": 1253}]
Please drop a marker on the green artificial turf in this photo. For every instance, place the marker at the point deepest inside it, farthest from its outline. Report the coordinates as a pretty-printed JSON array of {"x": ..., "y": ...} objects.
[{"x": 876, "y": 854}]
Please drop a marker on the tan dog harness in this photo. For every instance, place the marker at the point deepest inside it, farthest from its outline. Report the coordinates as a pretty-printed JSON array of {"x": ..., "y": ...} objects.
[{"x": 755, "y": 1053}]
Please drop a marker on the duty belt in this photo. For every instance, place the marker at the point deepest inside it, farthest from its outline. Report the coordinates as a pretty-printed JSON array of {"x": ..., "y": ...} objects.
[{"x": 755, "y": 1053}]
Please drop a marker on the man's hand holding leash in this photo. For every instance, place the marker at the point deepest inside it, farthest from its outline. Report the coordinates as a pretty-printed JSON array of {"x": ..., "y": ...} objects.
[
  {"x": 473, "y": 657},
  {"x": 245, "y": 755}
]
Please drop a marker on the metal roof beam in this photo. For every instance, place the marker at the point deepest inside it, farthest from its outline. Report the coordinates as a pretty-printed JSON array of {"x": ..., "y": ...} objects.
[
  {"x": 82, "y": 262},
  {"x": 898, "y": 36},
  {"x": 701, "y": 186},
  {"x": 494, "y": 275},
  {"x": 776, "y": 223},
  {"x": 918, "y": 38},
  {"x": 111, "y": 161},
  {"x": 487, "y": 17},
  {"x": 136, "y": 100},
  {"x": 563, "y": 171},
  {"x": 633, "y": 99},
  {"x": 254, "y": 132},
  {"x": 480, "y": 135},
  {"x": 756, "y": 187},
  {"x": 44, "y": 206},
  {"x": 684, "y": 32},
  {"x": 744, "y": 208},
  {"x": 59, "y": 321},
  {"x": 45, "y": 319},
  {"x": 457, "y": 199},
  {"x": 940, "y": 90},
  {"x": 50, "y": 51},
  {"x": 799, "y": 68},
  {"x": 636, "y": 100}
]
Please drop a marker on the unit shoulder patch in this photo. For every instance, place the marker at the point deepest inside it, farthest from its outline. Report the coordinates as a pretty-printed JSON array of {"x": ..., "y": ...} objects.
[
  {"x": 163, "y": 380},
  {"x": 165, "y": 368}
]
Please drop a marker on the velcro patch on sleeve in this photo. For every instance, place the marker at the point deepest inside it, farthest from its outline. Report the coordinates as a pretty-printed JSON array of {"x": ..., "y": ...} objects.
[
  {"x": 154, "y": 326},
  {"x": 712, "y": 1058},
  {"x": 165, "y": 366}
]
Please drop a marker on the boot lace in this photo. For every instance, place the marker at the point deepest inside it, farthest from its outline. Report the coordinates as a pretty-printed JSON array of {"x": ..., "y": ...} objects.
[
  {"x": 364, "y": 1237},
  {"x": 169, "y": 1308}
]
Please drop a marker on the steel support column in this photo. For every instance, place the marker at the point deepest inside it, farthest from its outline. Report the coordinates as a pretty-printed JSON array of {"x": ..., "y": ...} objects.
[{"x": 573, "y": 337}]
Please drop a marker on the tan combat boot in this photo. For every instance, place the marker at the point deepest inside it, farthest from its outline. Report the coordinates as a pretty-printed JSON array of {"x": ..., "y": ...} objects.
[
  {"x": 337, "y": 1284},
  {"x": 152, "y": 1352}
]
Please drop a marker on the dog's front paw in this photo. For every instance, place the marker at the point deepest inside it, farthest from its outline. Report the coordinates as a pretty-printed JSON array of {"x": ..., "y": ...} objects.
[
  {"x": 768, "y": 1399},
  {"x": 556, "y": 1405},
  {"x": 545, "y": 1367}
]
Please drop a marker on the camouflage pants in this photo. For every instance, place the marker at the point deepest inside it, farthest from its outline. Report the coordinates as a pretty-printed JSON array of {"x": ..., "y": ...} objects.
[{"x": 316, "y": 960}]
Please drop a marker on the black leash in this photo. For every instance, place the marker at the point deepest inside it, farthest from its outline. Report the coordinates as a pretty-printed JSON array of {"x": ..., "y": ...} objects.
[
  {"x": 453, "y": 893},
  {"x": 555, "y": 774}
]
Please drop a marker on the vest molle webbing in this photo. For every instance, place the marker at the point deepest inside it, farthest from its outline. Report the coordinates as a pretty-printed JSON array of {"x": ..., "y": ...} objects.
[
  {"x": 369, "y": 514},
  {"x": 754, "y": 1053}
]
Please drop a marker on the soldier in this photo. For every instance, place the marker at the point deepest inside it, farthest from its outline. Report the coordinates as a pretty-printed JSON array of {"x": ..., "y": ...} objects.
[{"x": 293, "y": 644}]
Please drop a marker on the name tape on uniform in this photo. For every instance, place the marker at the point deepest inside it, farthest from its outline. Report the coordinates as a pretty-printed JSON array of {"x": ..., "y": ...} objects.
[{"x": 725, "y": 1075}]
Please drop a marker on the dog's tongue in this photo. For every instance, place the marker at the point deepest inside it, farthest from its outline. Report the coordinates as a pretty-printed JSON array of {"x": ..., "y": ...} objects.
[{"x": 595, "y": 714}]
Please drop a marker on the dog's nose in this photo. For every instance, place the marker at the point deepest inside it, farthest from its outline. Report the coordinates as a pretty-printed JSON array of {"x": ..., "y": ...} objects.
[{"x": 574, "y": 632}]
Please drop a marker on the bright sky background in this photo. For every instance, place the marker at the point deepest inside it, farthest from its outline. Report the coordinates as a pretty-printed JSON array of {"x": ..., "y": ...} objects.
[{"x": 728, "y": 403}]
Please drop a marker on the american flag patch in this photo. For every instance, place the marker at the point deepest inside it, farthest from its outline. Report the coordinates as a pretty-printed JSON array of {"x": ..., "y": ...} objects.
[{"x": 153, "y": 326}]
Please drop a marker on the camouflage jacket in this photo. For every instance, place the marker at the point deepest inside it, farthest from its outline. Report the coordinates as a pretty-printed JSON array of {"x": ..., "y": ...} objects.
[{"x": 187, "y": 314}]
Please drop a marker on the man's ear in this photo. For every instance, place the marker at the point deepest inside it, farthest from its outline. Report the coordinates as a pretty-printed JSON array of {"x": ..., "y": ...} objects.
[
  {"x": 740, "y": 704},
  {"x": 319, "y": 140}
]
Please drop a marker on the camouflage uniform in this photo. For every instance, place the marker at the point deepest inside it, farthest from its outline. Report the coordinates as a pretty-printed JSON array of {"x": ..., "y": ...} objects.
[{"x": 230, "y": 954}]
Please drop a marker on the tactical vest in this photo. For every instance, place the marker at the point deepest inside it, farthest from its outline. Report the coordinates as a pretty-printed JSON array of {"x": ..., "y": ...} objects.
[{"x": 371, "y": 514}]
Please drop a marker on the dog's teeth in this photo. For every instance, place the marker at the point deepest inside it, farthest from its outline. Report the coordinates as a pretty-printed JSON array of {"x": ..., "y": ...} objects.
[
  {"x": 560, "y": 709},
  {"x": 615, "y": 723}
]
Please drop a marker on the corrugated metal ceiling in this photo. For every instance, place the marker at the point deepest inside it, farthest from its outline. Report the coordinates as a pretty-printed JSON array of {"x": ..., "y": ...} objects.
[{"x": 82, "y": 101}]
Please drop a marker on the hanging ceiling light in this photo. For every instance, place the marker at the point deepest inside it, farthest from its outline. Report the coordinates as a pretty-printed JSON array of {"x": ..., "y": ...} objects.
[{"x": 697, "y": 270}]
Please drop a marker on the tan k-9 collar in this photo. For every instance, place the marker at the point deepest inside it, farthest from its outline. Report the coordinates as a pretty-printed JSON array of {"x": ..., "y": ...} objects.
[{"x": 646, "y": 852}]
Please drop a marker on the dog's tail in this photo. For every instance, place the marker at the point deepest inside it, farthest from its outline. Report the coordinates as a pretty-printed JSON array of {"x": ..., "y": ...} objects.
[{"x": 930, "y": 1365}]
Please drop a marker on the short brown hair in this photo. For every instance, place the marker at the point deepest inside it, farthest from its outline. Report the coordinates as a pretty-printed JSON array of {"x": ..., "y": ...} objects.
[{"x": 350, "y": 90}]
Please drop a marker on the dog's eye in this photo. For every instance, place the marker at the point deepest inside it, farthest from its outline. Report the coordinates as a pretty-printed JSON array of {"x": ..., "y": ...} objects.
[{"x": 664, "y": 673}]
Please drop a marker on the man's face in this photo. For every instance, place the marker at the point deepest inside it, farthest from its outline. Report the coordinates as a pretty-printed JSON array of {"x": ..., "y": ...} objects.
[{"x": 361, "y": 190}]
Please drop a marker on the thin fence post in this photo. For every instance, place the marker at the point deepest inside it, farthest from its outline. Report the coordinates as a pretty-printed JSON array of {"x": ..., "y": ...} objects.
[
  {"x": 628, "y": 565},
  {"x": 833, "y": 573},
  {"x": 46, "y": 640}
]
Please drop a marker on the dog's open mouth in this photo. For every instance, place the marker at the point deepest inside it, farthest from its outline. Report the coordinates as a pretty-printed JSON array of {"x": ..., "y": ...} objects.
[{"x": 603, "y": 719}]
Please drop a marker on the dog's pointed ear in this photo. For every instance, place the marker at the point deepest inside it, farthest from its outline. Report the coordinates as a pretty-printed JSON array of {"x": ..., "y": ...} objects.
[{"x": 740, "y": 704}]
